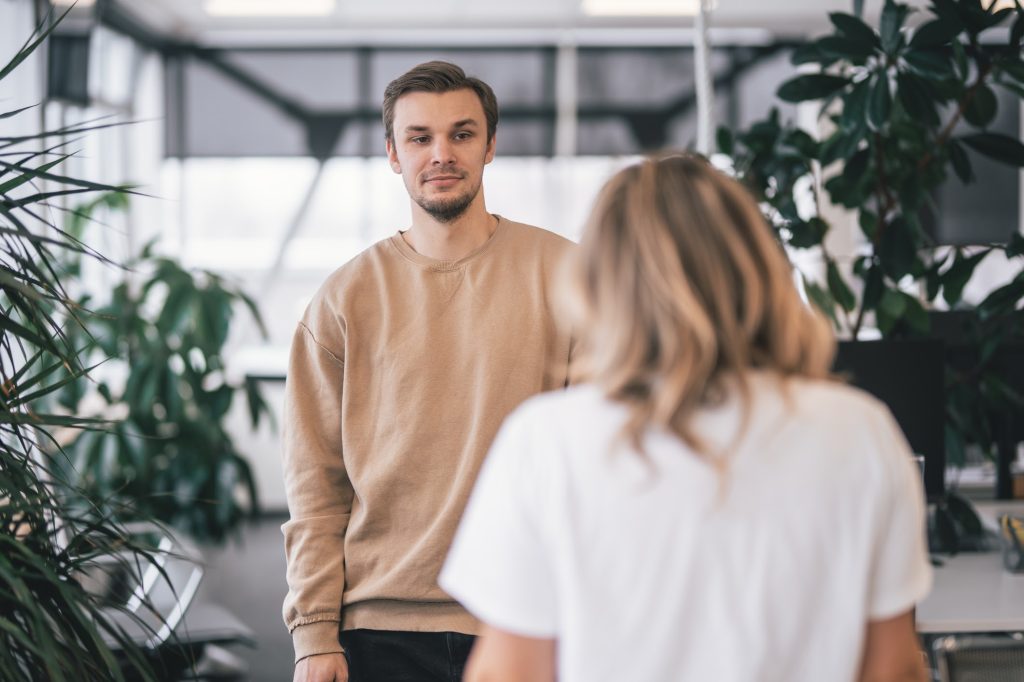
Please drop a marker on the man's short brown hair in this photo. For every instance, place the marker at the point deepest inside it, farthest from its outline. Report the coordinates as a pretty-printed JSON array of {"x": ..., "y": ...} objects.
[{"x": 438, "y": 76}]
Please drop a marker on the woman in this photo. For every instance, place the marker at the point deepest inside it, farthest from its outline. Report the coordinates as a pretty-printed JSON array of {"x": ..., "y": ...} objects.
[{"x": 711, "y": 506}]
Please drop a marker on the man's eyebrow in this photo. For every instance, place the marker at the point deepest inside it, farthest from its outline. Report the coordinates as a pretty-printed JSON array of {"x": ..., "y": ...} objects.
[{"x": 464, "y": 123}]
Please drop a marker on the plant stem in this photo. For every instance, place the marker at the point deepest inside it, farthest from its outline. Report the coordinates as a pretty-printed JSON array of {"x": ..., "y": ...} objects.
[
  {"x": 947, "y": 131},
  {"x": 882, "y": 191},
  {"x": 825, "y": 255},
  {"x": 886, "y": 202}
]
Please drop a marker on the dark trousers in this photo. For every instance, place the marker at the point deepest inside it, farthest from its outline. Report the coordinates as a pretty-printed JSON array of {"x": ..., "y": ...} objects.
[{"x": 388, "y": 656}]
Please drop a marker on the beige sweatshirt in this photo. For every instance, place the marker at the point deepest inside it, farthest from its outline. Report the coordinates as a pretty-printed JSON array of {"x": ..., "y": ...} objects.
[{"x": 402, "y": 369}]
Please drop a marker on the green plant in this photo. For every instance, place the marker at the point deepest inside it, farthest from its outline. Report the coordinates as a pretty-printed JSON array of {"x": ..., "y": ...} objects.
[
  {"x": 904, "y": 105},
  {"x": 170, "y": 457},
  {"x": 51, "y": 627}
]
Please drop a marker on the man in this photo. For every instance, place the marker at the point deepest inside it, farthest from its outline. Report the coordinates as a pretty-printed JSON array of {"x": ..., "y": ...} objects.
[{"x": 401, "y": 371}]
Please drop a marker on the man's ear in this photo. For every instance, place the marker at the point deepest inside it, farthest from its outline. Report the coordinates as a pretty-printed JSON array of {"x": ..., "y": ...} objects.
[
  {"x": 489, "y": 156},
  {"x": 389, "y": 146}
]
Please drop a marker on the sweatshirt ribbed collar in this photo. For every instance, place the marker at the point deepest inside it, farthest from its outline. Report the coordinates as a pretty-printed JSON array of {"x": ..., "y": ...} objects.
[{"x": 446, "y": 265}]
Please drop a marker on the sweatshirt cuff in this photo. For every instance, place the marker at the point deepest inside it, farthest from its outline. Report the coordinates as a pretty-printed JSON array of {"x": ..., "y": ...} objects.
[{"x": 316, "y": 638}]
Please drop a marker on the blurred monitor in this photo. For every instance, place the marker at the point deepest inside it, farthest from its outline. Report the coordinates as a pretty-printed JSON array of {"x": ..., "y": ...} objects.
[{"x": 909, "y": 377}]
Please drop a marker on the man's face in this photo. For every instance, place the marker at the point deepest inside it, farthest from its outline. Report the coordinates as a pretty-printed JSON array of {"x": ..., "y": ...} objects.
[{"x": 440, "y": 147}]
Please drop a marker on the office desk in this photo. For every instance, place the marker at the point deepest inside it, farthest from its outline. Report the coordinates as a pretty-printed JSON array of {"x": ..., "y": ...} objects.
[{"x": 973, "y": 593}]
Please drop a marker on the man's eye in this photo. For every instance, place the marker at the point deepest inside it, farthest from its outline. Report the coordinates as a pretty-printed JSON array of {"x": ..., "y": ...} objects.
[
  {"x": 463, "y": 136},
  {"x": 418, "y": 140}
]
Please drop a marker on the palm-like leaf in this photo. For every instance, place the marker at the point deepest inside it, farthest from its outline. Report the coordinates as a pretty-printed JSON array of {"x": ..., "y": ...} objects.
[{"x": 51, "y": 627}]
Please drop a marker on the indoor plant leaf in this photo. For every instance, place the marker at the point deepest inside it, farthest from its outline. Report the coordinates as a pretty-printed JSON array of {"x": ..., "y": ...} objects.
[
  {"x": 996, "y": 146},
  {"x": 928, "y": 63},
  {"x": 896, "y": 249},
  {"x": 838, "y": 287},
  {"x": 821, "y": 299},
  {"x": 881, "y": 102},
  {"x": 843, "y": 47},
  {"x": 855, "y": 103},
  {"x": 955, "y": 278},
  {"x": 961, "y": 163},
  {"x": 855, "y": 29},
  {"x": 893, "y": 16},
  {"x": 934, "y": 34},
  {"x": 810, "y": 87},
  {"x": 981, "y": 110},
  {"x": 916, "y": 97}
]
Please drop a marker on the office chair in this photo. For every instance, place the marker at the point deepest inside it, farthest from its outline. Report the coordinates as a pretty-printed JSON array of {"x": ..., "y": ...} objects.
[
  {"x": 151, "y": 600},
  {"x": 980, "y": 658}
]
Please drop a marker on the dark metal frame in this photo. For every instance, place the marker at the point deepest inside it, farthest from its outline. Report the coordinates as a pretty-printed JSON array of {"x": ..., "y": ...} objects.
[{"x": 648, "y": 124}]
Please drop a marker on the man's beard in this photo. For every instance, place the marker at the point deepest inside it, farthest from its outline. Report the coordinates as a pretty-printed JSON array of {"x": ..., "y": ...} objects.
[{"x": 448, "y": 209}]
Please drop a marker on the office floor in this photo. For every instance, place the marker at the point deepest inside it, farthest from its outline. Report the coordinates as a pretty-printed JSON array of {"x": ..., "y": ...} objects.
[{"x": 247, "y": 577}]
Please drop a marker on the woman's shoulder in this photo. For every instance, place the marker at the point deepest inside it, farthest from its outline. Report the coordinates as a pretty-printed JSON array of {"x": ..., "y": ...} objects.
[{"x": 833, "y": 398}]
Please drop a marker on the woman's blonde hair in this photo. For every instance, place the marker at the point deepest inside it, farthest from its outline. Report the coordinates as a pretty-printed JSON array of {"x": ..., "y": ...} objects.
[{"x": 683, "y": 288}]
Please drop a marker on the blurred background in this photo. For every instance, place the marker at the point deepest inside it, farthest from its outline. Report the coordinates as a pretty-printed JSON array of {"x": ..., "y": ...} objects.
[{"x": 252, "y": 136}]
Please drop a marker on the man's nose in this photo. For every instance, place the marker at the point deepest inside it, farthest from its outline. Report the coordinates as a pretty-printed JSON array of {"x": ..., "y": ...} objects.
[{"x": 443, "y": 152}]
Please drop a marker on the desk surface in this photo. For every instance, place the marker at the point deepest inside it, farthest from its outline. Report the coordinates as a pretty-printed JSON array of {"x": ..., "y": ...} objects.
[{"x": 973, "y": 592}]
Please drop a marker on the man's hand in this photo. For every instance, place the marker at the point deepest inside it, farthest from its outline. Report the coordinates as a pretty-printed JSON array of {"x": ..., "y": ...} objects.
[{"x": 322, "y": 668}]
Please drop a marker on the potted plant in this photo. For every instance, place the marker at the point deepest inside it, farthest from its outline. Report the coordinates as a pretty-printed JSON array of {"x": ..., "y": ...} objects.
[
  {"x": 903, "y": 105},
  {"x": 52, "y": 627},
  {"x": 170, "y": 457}
]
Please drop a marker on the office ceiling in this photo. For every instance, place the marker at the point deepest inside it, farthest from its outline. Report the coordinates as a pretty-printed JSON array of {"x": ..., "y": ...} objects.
[{"x": 456, "y": 21}]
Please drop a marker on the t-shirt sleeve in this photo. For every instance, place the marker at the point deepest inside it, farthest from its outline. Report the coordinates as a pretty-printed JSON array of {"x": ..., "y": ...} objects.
[
  {"x": 498, "y": 567},
  {"x": 901, "y": 570}
]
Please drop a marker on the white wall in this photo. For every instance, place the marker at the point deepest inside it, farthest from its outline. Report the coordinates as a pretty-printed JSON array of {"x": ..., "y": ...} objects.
[{"x": 24, "y": 86}]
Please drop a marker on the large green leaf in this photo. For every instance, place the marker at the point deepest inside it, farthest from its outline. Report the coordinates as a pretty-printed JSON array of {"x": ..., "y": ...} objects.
[
  {"x": 855, "y": 104},
  {"x": 981, "y": 110},
  {"x": 916, "y": 316},
  {"x": 917, "y": 98},
  {"x": 963, "y": 67},
  {"x": 929, "y": 63},
  {"x": 881, "y": 102},
  {"x": 822, "y": 300},
  {"x": 897, "y": 249},
  {"x": 807, "y": 234},
  {"x": 857, "y": 166},
  {"x": 811, "y": 87},
  {"x": 1016, "y": 246},
  {"x": 855, "y": 29},
  {"x": 724, "y": 140},
  {"x": 998, "y": 146},
  {"x": 893, "y": 16},
  {"x": 807, "y": 53},
  {"x": 842, "y": 47},
  {"x": 935, "y": 33},
  {"x": 842, "y": 145},
  {"x": 955, "y": 278},
  {"x": 840, "y": 290},
  {"x": 961, "y": 162},
  {"x": 874, "y": 286}
]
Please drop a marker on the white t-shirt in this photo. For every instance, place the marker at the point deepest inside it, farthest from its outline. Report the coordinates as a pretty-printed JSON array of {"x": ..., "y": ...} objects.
[{"x": 646, "y": 569}]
